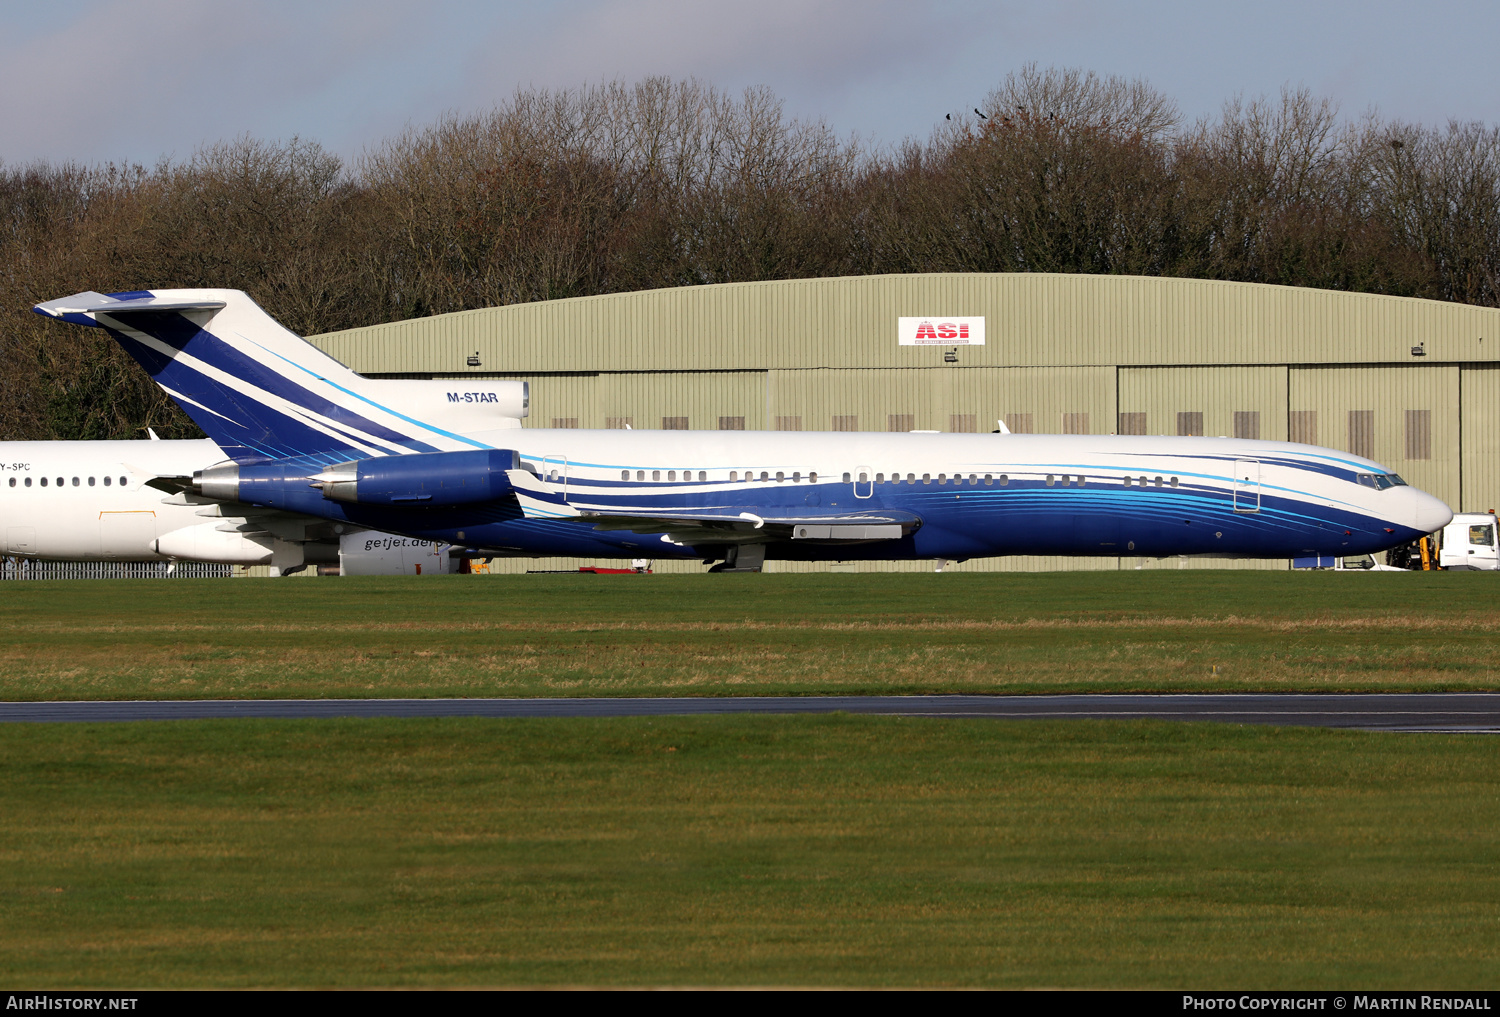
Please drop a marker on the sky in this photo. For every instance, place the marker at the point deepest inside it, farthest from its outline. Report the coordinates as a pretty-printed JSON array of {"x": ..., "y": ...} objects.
[{"x": 133, "y": 81}]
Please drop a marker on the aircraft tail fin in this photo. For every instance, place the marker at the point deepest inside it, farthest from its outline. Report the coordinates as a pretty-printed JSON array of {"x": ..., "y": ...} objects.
[{"x": 261, "y": 392}]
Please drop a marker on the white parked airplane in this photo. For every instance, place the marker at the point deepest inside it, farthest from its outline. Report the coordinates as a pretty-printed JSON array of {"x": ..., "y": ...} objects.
[
  {"x": 310, "y": 446},
  {"x": 93, "y": 500}
]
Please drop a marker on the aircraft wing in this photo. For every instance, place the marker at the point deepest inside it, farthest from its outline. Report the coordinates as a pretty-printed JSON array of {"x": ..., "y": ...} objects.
[
  {"x": 728, "y": 523},
  {"x": 747, "y": 527},
  {"x": 249, "y": 519},
  {"x": 253, "y": 520}
]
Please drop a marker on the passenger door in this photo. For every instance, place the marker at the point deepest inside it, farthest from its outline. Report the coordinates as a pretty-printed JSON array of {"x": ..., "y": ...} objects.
[
  {"x": 1247, "y": 485},
  {"x": 555, "y": 473},
  {"x": 864, "y": 482}
]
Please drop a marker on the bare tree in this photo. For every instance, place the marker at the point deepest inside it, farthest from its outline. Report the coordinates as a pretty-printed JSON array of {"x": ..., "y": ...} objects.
[{"x": 625, "y": 186}]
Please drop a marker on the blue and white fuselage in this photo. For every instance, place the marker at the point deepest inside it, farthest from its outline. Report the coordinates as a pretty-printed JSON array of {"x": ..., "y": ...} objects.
[
  {"x": 956, "y": 496},
  {"x": 448, "y": 461}
]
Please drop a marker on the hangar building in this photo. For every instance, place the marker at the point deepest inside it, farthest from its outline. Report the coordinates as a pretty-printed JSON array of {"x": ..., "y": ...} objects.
[{"x": 1412, "y": 383}]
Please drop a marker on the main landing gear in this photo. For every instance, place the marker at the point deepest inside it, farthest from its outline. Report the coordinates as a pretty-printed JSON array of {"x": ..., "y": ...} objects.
[{"x": 742, "y": 558}]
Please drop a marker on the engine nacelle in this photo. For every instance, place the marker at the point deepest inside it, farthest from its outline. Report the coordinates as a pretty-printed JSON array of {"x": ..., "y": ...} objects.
[
  {"x": 420, "y": 480},
  {"x": 370, "y": 553},
  {"x": 206, "y": 542},
  {"x": 429, "y": 478}
]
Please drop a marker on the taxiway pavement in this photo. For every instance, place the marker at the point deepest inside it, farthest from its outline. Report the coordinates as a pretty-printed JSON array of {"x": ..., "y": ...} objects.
[{"x": 1457, "y": 712}]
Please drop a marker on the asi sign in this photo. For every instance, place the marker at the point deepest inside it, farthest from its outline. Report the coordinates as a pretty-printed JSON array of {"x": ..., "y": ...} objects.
[{"x": 940, "y": 331}]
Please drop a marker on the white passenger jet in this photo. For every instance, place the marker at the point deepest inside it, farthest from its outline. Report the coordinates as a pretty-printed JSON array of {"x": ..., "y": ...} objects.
[
  {"x": 92, "y": 500},
  {"x": 308, "y": 446}
]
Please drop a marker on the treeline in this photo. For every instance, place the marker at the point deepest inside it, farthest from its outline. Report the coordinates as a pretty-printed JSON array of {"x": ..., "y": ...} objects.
[{"x": 627, "y": 187}]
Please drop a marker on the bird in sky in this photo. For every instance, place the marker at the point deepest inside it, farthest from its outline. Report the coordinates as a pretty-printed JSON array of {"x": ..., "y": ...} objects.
[{"x": 981, "y": 115}]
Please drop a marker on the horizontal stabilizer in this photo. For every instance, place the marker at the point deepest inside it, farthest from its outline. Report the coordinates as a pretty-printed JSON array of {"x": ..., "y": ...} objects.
[
  {"x": 85, "y": 305},
  {"x": 171, "y": 485}
]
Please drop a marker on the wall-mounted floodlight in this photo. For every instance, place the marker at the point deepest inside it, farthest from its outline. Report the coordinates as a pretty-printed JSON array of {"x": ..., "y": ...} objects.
[
  {"x": 473, "y": 360},
  {"x": 951, "y": 357},
  {"x": 1419, "y": 350}
]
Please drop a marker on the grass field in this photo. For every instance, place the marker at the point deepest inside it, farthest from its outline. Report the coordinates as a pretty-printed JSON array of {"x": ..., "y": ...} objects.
[
  {"x": 750, "y": 634},
  {"x": 827, "y": 850},
  {"x": 735, "y": 850}
]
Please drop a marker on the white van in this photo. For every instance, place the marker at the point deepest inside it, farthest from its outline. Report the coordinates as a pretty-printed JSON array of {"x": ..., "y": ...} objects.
[{"x": 1468, "y": 542}]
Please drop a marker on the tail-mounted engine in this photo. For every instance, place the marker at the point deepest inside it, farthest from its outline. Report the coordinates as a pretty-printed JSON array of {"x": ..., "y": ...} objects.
[
  {"x": 426, "y": 479},
  {"x": 432, "y": 478}
]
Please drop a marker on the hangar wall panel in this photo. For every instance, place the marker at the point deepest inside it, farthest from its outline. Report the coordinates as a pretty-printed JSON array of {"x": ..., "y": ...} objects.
[
  {"x": 1052, "y": 400},
  {"x": 1480, "y": 388},
  {"x": 644, "y": 399},
  {"x": 1248, "y": 402},
  {"x": 564, "y": 396},
  {"x": 1076, "y": 400},
  {"x": 1033, "y": 320},
  {"x": 1355, "y": 404},
  {"x": 945, "y": 400},
  {"x": 694, "y": 401}
]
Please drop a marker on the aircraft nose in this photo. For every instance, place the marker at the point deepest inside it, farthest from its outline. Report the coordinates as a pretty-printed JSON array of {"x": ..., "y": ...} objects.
[{"x": 1429, "y": 514}]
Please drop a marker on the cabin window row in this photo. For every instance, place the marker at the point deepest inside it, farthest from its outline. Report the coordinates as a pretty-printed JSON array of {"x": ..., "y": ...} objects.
[
  {"x": 62, "y": 481},
  {"x": 777, "y": 477},
  {"x": 974, "y": 479},
  {"x": 734, "y": 475},
  {"x": 671, "y": 475},
  {"x": 796, "y": 477}
]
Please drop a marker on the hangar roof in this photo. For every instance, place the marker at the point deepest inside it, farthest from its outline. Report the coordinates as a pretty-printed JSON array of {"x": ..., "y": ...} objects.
[{"x": 1032, "y": 320}]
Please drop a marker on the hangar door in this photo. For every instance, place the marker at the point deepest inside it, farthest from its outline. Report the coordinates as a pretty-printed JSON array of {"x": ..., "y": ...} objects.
[
  {"x": 1481, "y": 438},
  {"x": 1233, "y": 402},
  {"x": 1406, "y": 418},
  {"x": 1039, "y": 400}
]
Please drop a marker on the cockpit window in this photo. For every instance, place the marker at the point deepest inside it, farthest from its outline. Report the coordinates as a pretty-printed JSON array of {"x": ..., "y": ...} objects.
[
  {"x": 1380, "y": 481},
  {"x": 1367, "y": 480}
]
